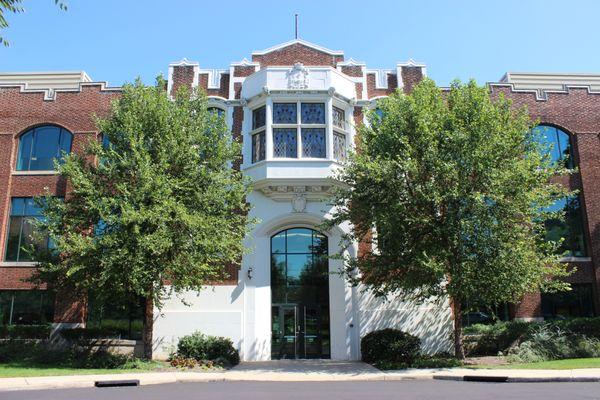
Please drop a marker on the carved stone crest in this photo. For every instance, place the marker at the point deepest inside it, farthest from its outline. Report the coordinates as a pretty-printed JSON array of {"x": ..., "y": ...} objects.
[
  {"x": 299, "y": 203},
  {"x": 298, "y": 77}
]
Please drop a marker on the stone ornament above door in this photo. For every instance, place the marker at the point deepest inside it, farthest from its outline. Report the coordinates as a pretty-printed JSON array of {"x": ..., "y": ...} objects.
[{"x": 296, "y": 193}]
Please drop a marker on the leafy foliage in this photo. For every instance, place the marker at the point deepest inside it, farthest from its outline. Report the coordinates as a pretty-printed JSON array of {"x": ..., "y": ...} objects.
[
  {"x": 546, "y": 344},
  {"x": 16, "y": 6},
  {"x": 207, "y": 348},
  {"x": 37, "y": 353},
  {"x": 450, "y": 189},
  {"x": 161, "y": 210},
  {"x": 501, "y": 337},
  {"x": 25, "y": 331},
  {"x": 390, "y": 346}
]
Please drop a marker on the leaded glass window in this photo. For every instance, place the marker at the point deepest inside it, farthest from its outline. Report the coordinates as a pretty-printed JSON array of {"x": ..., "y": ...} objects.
[
  {"x": 258, "y": 146},
  {"x": 339, "y": 118},
  {"x": 285, "y": 113},
  {"x": 40, "y": 146},
  {"x": 313, "y": 142},
  {"x": 339, "y": 146},
  {"x": 21, "y": 226},
  {"x": 313, "y": 113},
  {"x": 216, "y": 111},
  {"x": 259, "y": 117},
  {"x": 285, "y": 143}
]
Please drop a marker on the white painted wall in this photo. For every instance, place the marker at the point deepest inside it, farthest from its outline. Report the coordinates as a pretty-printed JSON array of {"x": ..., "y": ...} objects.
[
  {"x": 215, "y": 311},
  {"x": 243, "y": 312}
]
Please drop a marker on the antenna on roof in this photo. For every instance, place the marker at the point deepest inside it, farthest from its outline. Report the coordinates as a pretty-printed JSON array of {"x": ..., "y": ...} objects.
[{"x": 296, "y": 18}]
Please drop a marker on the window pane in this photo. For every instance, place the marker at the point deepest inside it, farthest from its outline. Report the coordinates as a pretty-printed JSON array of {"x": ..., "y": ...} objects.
[
  {"x": 339, "y": 118},
  {"x": 258, "y": 147},
  {"x": 21, "y": 228},
  {"x": 555, "y": 143},
  {"x": 6, "y": 299},
  {"x": 122, "y": 318},
  {"x": 258, "y": 117},
  {"x": 285, "y": 143},
  {"x": 278, "y": 243},
  {"x": 216, "y": 110},
  {"x": 299, "y": 240},
  {"x": 285, "y": 113},
  {"x": 313, "y": 113},
  {"x": 32, "y": 307},
  {"x": 45, "y": 148},
  {"x": 65, "y": 143},
  {"x": 13, "y": 238},
  {"x": 313, "y": 142},
  {"x": 339, "y": 146},
  {"x": 31, "y": 209},
  {"x": 571, "y": 229},
  {"x": 17, "y": 205},
  {"x": 574, "y": 303},
  {"x": 24, "y": 151}
]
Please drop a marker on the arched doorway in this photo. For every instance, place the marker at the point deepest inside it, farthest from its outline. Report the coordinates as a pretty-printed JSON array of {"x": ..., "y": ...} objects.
[{"x": 299, "y": 295}]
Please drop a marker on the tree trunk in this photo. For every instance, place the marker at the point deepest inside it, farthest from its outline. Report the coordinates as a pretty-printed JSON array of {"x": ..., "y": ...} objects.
[
  {"x": 459, "y": 350},
  {"x": 148, "y": 325}
]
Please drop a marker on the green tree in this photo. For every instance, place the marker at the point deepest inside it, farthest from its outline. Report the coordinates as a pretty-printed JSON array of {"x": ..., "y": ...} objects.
[
  {"x": 451, "y": 190},
  {"x": 159, "y": 210},
  {"x": 16, "y": 6}
]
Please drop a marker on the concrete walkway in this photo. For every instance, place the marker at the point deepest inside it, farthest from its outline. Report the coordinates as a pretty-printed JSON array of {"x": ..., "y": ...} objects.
[{"x": 305, "y": 370}]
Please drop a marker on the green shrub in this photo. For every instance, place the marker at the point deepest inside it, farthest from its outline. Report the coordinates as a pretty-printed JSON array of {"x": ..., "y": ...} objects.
[
  {"x": 551, "y": 343},
  {"x": 390, "y": 346},
  {"x": 485, "y": 340},
  {"x": 436, "y": 362},
  {"x": 202, "y": 347},
  {"x": 76, "y": 334},
  {"x": 589, "y": 327},
  {"x": 25, "y": 331}
]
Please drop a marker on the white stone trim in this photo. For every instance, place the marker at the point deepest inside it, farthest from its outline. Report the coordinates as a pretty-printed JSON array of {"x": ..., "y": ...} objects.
[
  {"x": 298, "y": 41},
  {"x": 352, "y": 63},
  {"x": 411, "y": 63},
  {"x": 214, "y": 77},
  {"x": 18, "y": 264},
  {"x": 381, "y": 77},
  {"x": 48, "y": 172},
  {"x": 575, "y": 259},
  {"x": 50, "y": 94},
  {"x": 245, "y": 63},
  {"x": 541, "y": 94}
]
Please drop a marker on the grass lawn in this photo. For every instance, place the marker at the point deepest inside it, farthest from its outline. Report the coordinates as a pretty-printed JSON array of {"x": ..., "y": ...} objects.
[
  {"x": 14, "y": 370},
  {"x": 571, "y": 363}
]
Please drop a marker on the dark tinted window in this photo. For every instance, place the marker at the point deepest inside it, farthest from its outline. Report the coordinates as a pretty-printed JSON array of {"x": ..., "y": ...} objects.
[{"x": 40, "y": 146}]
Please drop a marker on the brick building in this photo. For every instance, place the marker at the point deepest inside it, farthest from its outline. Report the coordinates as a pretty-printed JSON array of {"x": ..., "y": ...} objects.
[{"x": 295, "y": 106}]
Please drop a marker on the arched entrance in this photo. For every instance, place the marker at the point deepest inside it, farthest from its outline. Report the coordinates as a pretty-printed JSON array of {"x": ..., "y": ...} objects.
[{"x": 299, "y": 295}]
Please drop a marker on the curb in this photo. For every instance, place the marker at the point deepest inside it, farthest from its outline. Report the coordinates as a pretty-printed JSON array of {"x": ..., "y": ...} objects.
[{"x": 508, "y": 379}]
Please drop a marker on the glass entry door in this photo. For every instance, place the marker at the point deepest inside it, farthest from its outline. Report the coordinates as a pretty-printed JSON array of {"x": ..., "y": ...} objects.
[
  {"x": 300, "y": 331},
  {"x": 300, "y": 295}
]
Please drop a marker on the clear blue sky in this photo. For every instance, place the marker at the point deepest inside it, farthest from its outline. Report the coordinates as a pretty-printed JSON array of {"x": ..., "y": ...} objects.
[{"x": 117, "y": 40}]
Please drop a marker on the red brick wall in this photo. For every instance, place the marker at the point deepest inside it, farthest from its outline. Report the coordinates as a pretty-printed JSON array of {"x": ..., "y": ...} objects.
[
  {"x": 183, "y": 75},
  {"x": 373, "y": 91},
  {"x": 19, "y": 112},
  {"x": 578, "y": 113},
  {"x": 222, "y": 91},
  {"x": 410, "y": 77},
  {"x": 297, "y": 52}
]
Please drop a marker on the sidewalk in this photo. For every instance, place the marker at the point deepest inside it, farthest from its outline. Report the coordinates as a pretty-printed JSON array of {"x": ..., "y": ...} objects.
[{"x": 289, "y": 371}]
